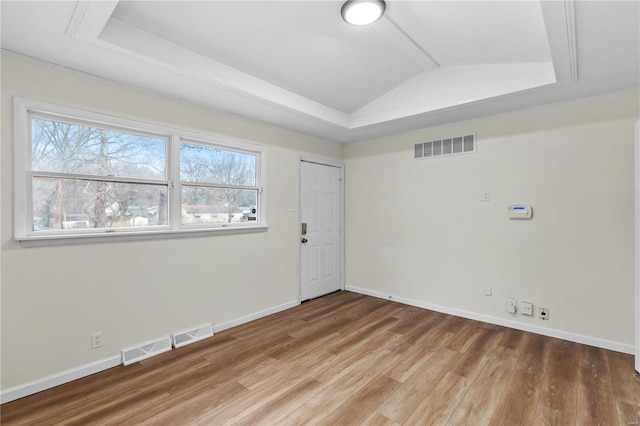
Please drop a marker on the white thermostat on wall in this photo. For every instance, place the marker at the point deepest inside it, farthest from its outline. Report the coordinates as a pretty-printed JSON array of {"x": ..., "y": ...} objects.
[{"x": 520, "y": 211}]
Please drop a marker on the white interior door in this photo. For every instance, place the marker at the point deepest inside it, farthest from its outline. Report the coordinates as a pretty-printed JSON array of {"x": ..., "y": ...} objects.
[{"x": 320, "y": 230}]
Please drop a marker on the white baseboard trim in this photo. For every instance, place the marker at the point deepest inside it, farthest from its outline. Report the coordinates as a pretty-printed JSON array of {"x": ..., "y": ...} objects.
[
  {"x": 72, "y": 374},
  {"x": 58, "y": 379},
  {"x": 551, "y": 332},
  {"x": 257, "y": 315}
]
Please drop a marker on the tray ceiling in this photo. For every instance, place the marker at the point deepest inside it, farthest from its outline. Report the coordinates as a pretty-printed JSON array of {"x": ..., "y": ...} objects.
[{"x": 296, "y": 64}]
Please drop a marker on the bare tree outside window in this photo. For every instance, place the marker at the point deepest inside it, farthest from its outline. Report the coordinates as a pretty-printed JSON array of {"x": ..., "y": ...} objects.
[
  {"x": 218, "y": 185},
  {"x": 76, "y": 153}
]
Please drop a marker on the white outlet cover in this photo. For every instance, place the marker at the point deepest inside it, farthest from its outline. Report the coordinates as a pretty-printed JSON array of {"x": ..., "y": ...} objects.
[
  {"x": 543, "y": 313},
  {"x": 97, "y": 340},
  {"x": 526, "y": 308}
]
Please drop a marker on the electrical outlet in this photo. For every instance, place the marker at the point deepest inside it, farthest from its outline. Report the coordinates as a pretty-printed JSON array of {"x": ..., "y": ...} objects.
[
  {"x": 487, "y": 291},
  {"x": 543, "y": 313},
  {"x": 484, "y": 196},
  {"x": 526, "y": 308},
  {"x": 510, "y": 306},
  {"x": 96, "y": 340}
]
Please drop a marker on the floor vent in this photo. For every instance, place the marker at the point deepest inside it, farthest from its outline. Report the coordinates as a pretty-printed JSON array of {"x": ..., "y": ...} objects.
[
  {"x": 182, "y": 338},
  {"x": 146, "y": 350},
  {"x": 444, "y": 147}
]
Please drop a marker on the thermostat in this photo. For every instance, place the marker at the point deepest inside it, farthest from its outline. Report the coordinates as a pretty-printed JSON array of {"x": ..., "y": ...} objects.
[{"x": 520, "y": 211}]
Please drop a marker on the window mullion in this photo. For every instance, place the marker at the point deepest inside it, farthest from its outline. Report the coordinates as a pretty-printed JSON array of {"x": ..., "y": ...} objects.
[
  {"x": 218, "y": 186},
  {"x": 111, "y": 179},
  {"x": 175, "y": 187}
]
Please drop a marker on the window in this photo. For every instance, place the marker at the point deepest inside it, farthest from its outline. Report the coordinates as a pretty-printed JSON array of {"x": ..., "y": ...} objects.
[
  {"x": 218, "y": 186},
  {"x": 81, "y": 174}
]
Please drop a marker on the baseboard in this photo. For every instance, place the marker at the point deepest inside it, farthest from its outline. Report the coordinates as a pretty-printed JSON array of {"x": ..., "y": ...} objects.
[
  {"x": 58, "y": 379},
  {"x": 26, "y": 389},
  {"x": 252, "y": 317},
  {"x": 551, "y": 332}
]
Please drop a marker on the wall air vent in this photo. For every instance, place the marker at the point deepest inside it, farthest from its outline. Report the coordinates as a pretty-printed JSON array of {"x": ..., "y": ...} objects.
[
  {"x": 445, "y": 147},
  {"x": 181, "y": 338},
  {"x": 146, "y": 350}
]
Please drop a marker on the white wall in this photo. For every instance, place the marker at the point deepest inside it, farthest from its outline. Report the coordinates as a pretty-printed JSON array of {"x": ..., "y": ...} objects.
[
  {"x": 415, "y": 228},
  {"x": 53, "y": 298}
]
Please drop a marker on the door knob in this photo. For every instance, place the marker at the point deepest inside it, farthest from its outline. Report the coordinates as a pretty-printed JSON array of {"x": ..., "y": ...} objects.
[{"x": 304, "y": 240}]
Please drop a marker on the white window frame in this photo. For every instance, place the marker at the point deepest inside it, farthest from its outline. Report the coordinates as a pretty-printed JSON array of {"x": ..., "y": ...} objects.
[{"x": 25, "y": 109}]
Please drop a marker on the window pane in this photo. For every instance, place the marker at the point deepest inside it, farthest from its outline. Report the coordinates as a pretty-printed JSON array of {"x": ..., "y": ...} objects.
[
  {"x": 70, "y": 204},
  {"x": 218, "y": 166},
  {"x": 217, "y": 205},
  {"x": 457, "y": 145},
  {"x": 437, "y": 148},
  {"x": 70, "y": 148},
  {"x": 468, "y": 143},
  {"x": 427, "y": 149},
  {"x": 446, "y": 146}
]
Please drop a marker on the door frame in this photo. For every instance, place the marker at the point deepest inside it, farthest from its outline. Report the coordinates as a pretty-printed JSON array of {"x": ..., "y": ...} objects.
[
  {"x": 330, "y": 163},
  {"x": 636, "y": 254}
]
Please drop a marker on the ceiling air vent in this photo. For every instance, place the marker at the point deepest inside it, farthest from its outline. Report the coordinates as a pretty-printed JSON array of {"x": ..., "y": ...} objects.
[{"x": 445, "y": 147}]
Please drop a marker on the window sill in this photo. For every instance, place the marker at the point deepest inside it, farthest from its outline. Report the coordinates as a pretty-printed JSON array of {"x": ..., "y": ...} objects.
[{"x": 108, "y": 237}]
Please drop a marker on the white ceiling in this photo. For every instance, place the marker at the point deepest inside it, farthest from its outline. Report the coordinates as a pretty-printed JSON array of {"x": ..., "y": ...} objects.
[{"x": 296, "y": 64}]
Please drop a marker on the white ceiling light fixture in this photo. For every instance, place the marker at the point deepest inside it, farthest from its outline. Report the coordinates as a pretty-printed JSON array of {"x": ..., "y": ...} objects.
[{"x": 362, "y": 12}]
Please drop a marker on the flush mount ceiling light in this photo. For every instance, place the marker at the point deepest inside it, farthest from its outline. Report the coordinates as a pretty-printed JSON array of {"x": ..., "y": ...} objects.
[{"x": 362, "y": 12}]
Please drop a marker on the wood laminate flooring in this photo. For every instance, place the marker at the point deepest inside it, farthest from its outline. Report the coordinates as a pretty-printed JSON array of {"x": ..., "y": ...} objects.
[{"x": 349, "y": 359}]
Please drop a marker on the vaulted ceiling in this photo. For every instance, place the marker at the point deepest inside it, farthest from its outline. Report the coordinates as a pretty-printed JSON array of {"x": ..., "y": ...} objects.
[{"x": 297, "y": 65}]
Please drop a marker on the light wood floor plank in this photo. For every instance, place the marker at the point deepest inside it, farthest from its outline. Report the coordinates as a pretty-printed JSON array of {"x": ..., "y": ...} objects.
[
  {"x": 558, "y": 399},
  {"x": 488, "y": 387},
  {"x": 520, "y": 400},
  {"x": 553, "y": 417},
  {"x": 462, "y": 417},
  {"x": 595, "y": 407},
  {"x": 417, "y": 355},
  {"x": 349, "y": 360},
  {"x": 328, "y": 400},
  {"x": 464, "y": 339},
  {"x": 535, "y": 354},
  {"x": 518, "y": 405},
  {"x": 265, "y": 391},
  {"x": 513, "y": 339},
  {"x": 440, "y": 404},
  {"x": 377, "y": 419},
  {"x": 594, "y": 369},
  {"x": 348, "y": 341},
  {"x": 281, "y": 406},
  {"x": 361, "y": 404},
  {"x": 401, "y": 404},
  {"x": 625, "y": 381},
  {"x": 474, "y": 359},
  {"x": 195, "y": 407},
  {"x": 628, "y": 414}
]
